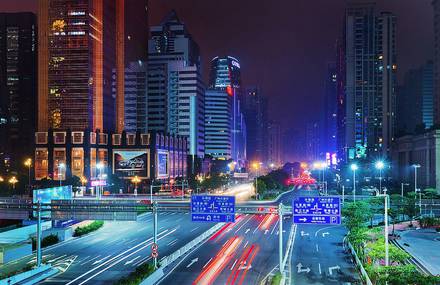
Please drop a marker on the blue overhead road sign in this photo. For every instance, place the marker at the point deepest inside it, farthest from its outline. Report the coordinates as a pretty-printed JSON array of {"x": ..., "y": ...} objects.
[
  {"x": 316, "y": 210},
  {"x": 205, "y": 208}
]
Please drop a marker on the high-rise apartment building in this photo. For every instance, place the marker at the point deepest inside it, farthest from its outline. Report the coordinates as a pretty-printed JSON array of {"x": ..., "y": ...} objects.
[
  {"x": 367, "y": 62},
  {"x": 415, "y": 108},
  {"x": 18, "y": 88},
  {"x": 312, "y": 141},
  {"x": 175, "y": 101}
]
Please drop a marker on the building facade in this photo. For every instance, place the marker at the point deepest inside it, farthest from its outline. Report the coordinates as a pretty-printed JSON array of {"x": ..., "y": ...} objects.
[
  {"x": 255, "y": 111},
  {"x": 367, "y": 79},
  {"x": 424, "y": 150},
  {"x": 218, "y": 124},
  {"x": 328, "y": 141},
  {"x": 415, "y": 104},
  {"x": 18, "y": 88},
  {"x": 176, "y": 92},
  {"x": 274, "y": 145},
  {"x": 135, "y": 96}
]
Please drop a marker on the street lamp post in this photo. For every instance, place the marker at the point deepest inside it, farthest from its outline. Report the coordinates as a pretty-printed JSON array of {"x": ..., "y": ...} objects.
[
  {"x": 354, "y": 167},
  {"x": 99, "y": 166},
  {"x": 385, "y": 195},
  {"x": 135, "y": 180},
  {"x": 415, "y": 187},
  {"x": 28, "y": 164},
  {"x": 401, "y": 188},
  {"x": 380, "y": 165},
  {"x": 13, "y": 180}
]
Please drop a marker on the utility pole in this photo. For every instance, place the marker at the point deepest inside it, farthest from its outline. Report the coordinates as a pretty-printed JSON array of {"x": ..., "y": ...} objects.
[
  {"x": 151, "y": 191},
  {"x": 155, "y": 231},
  {"x": 280, "y": 217}
]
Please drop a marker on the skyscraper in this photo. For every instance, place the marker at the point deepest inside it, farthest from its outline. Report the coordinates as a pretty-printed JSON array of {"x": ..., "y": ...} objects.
[
  {"x": 175, "y": 88},
  {"x": 328, "y": 143},
  {"x": 367, "y": 62},
  {"x": 225, "y": 75},
  {"x": 255, "y": 106},
  {"x": 436, "y": 6},
  {"x": 18, "y": 89},
  {"x": 274, "y": 144},
  {"x": 415, "y": 110},
  {"x": 78, "y": 44}
]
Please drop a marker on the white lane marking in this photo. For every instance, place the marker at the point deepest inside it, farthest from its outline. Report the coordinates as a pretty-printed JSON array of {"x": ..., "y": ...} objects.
[
  {"x": 90, "y": 259},
  {"x": 317, "y": 249},
  {"x": 137, "y": 263},
  {"x": 258, "y": 226},
  {"x": 193, "y": 229},
  {"x": 133, "y": 260},
  {"x": 145, "y": 260},
  {"x": 122, "y": 259},
  {"x": 275, "y": 227},
  {"x": 113, "y": 258},
  {"x": 101, "y": 260},
  {"x": 329, "y": 227},
  {"x": 207, "y": 262},
  {"x": 244, "y": 224},
  {"x": 59, "y": 257},
  {"x": 246, "y": 244},
  {"x": 172, "y": 242},
  {"x": 232, "y": 267},
  {"x": 319, "y": 267}
]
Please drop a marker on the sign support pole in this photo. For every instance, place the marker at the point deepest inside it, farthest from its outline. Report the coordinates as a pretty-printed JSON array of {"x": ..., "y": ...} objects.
[
  {"x": 343, "y": 194},
  {"x": 151, "y": 191},
  {"x": 38, "y": 233},
  {"x": 280, "y": 216},
  {"x": 155, "y": 231}
]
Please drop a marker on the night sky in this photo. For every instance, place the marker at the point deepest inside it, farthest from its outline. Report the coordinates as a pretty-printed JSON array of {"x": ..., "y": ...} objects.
[{"x": 284, "y": 45}]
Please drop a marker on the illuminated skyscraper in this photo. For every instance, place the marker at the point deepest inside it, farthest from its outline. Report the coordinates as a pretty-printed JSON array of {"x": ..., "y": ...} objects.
[
  {"x": 225, "y": 75},
  {"x": 80, "y": 42},
  {"x": 18, "y": 88}
]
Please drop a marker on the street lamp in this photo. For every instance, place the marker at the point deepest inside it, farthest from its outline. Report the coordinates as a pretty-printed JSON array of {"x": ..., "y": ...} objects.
[
  {"x": 2, "y": 179},
  {"x": 256, "y": 166},
  {"x": 13, "y": 180},
  {"x": 135, "y": 180},
  {"x": 380, "y": 165},
  {"x": 354, "y": 167},
  {"x": 401, "y": 188},
  {"x": 415, "y": 187},
  {"x": 28, "y": 164},
  {"x": 60, "y": 166}
]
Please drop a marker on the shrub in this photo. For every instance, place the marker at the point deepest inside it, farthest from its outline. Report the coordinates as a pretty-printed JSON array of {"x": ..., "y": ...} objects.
[
  {"x": 49, "y": 240},
  {"x": 80, "y": 231},
  {"x": 137, "y": 276},
  {"x": 426, "y": 222}
]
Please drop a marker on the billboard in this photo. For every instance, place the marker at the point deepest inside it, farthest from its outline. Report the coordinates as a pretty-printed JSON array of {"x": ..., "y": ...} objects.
[
  {"x": 129, "y": 163},
  {"x": 55, "y": 193},
  {"x": 162, "y": 164}
]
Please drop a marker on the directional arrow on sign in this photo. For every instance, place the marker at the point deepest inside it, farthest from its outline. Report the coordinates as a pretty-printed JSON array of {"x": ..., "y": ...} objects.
[
  {"x": 325, "y": 234},
  {"x": 303, "y": 219},
  {"x": 300, "y": 269},
  {"x": 192, "y": 262},
  {"x": 304, "y": 233},
  {"x": 330, "y": 269}
]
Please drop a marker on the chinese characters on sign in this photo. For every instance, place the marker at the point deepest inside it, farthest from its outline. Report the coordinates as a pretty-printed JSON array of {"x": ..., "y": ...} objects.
[
  {"x": 206, "y": 208},
  {"x": 316, "y": 210}
]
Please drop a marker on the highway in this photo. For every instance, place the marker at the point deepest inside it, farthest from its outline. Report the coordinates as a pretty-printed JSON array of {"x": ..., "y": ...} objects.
[{"x": 116, "y": 249}]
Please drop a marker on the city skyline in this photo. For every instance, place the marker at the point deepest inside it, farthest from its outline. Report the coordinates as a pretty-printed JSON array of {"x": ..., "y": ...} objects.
[{"x": 289, "y": 55}]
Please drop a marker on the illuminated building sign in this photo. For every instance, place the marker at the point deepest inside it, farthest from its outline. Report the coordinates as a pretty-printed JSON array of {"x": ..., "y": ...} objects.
[
  {"x": 130, "y": 163},
  {"x": 162, "y": 164},
  {"x": 236, "y": 64}
]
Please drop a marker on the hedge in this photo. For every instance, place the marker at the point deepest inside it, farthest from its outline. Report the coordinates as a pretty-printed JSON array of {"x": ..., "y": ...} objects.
[
  {"x": 137, "y": 276},
  {"x": 80, "y": 231},
  {"x": 48, "y": 240}
]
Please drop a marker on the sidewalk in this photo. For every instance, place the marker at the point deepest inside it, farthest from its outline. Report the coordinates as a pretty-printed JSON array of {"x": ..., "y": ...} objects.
[{"x": 423, "y": 245}]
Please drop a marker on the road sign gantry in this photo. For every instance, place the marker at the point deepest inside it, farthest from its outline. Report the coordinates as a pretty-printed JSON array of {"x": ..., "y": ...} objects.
[{"x": 316, "y": 210}]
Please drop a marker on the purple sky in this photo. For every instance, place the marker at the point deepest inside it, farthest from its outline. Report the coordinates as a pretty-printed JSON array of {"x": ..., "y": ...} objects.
[{"x": 284, "y": 47}]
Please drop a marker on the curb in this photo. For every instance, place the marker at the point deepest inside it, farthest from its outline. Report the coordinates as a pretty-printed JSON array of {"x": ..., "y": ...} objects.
[{"x": 32, "y": 276}]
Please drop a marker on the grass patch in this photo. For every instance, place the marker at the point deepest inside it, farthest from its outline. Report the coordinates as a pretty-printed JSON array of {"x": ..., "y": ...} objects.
[
  {"x": 18, "y": 271},
  {"x": 80, "y": 231},
  {"x": 46, "y": 241},
  {"x": 276, "y": 280},
  {"x": 137, "y": 276}
]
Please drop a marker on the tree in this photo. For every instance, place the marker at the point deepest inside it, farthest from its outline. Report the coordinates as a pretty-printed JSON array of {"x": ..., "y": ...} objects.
[
  {"x": 409, "y": 206},
  {"x": 75, "y": 181},
  {"x": 261, "y": 188}
]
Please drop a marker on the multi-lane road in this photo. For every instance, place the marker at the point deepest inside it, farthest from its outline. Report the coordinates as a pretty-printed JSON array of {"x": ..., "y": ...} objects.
[{"x": 244, "y": 252}]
